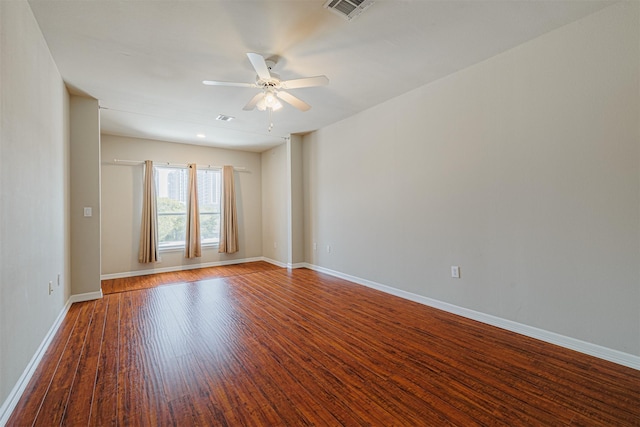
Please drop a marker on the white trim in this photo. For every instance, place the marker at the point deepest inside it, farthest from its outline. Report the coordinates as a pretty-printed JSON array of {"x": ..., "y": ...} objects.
[
  {"x": 179, "y": 268},
  {"x": 615, "y": 356},
  {"x": 296, "y": 265},
  {"x": 89, "y": 296},
  {"x": 18, "y": 389},
  {"x": 274, "y": 262}
]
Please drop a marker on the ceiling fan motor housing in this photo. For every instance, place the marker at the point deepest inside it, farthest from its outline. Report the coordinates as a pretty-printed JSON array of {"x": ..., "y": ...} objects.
[{"x": 270, "y": 83}]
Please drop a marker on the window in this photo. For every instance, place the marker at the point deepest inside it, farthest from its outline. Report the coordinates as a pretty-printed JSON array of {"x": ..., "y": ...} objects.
[
  {"x": 209, "y": 205},
  {"x": 172, "y": 187}
]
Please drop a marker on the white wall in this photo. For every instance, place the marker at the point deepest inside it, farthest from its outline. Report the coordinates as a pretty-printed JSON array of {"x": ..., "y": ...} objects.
[
  {"x": 282, "y": 203},
  {"x": 275, "y": 216},
  {"x": 296, "y": 200},
  {"x": 523, "y": 170},
  {"x": 34, "y": 195},
  {"x": 122, "y": 202},
  {"x": 85, "y": 193}
]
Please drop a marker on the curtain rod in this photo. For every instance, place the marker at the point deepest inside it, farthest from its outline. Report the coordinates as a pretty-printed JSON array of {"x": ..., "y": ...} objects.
[{"x": 176, "y": 165}]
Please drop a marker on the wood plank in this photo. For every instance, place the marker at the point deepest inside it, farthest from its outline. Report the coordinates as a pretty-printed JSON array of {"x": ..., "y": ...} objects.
[
  {"x": 141, "y": 400},
  {"x": 79, "y": 401},
  {"x": 56, "y": 399},
  {"x": 104, "y": 402}
]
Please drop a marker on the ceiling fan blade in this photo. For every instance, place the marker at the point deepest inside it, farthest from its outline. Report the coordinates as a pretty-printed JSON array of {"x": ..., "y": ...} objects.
[
  {"x": 252, "y": 104},
  {"x": 305, "y": 82},
  {"x": 260, "y": 65},
  {"x": 296, "y": 102},
  {"x": 215, "y": 83}
]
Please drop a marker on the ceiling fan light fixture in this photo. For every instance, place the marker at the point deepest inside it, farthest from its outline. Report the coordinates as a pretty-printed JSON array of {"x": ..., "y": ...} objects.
[{"x": 269, "y": 101}]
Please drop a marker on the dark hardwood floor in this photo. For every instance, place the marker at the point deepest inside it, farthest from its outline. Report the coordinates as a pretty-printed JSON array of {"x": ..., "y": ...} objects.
[{"x": 256, "y": 345}]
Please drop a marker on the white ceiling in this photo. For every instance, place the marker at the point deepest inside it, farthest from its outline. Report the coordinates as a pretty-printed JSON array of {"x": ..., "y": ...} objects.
[{"x": 145, "y": 60}]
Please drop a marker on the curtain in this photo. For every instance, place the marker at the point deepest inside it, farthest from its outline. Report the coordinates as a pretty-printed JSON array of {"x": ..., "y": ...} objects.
[
  {"x": 148, "y": 251},
  {"x": 192, "y": 247},
  {"x": 228, "y": 214}
]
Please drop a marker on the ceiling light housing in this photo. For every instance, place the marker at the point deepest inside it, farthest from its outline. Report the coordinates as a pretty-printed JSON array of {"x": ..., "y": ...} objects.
[{"x": 269, "y": 101}]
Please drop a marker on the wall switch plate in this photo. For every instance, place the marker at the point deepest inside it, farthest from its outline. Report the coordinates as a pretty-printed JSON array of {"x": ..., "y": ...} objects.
[
  {"x": 88, "y": 212},
  {"x": 455, "y": 271},
  {"x": 50, "y": 288}
]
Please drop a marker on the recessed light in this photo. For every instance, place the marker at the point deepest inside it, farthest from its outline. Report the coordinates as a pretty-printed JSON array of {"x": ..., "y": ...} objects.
[
  {"x": 224, "y": 118},
  {"x": 201, "y": 135}
]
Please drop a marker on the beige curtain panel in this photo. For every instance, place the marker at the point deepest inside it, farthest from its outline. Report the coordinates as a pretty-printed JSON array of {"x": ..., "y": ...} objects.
[
  {"x": 192, "y": 246},
  {"x": 228, "y": 214},
  {"x": 148, "y": 251}
]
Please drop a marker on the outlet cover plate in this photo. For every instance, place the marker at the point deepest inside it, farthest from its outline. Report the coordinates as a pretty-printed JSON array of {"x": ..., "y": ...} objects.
[{"x": 455, "y": 271}]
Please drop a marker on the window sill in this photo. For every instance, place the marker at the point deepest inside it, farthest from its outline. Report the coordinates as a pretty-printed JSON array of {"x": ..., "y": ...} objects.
[{"x": 180, "y": 248}]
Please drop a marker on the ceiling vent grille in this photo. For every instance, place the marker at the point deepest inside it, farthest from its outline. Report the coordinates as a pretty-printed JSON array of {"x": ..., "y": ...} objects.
[{"x": 348, "y": 9}]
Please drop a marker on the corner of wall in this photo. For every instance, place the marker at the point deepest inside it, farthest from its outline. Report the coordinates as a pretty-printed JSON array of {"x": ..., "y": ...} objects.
[{"x": 85, "y": 194}]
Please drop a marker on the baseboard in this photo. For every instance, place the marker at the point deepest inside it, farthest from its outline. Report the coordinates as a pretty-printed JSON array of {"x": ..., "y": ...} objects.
[
  {"x": 178, "y": 268},
  {"x": 297, "y": 265},
  {"x": 285, "y": 265},
  {"x": 16, "y": 393},
  {"x": 584, "y": 347},
  {"x": 274, "y": 262},
  {"x": 89, "y": 296}
]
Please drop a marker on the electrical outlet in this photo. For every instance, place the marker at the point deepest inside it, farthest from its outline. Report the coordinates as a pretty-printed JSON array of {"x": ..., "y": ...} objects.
[
  {"x": 315, "y": 246},
  {"x": 455, "y": 271},
  {"x": 275, "y": 245}
]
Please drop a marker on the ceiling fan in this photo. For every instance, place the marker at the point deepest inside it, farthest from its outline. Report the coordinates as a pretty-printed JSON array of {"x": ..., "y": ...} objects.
[{"x": 272, "y": 87}]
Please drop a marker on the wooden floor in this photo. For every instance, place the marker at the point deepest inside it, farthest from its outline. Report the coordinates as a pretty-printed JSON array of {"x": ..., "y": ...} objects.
[{"x": 264, "y": 346}]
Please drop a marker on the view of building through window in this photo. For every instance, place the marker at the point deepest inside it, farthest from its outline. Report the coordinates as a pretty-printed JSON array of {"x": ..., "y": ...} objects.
[{"x": 172, "y": 186}]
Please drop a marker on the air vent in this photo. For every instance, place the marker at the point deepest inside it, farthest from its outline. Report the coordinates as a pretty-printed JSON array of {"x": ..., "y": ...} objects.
[
  {"x": 224, "y": 118},
  {"x": 348, "y": 9}
]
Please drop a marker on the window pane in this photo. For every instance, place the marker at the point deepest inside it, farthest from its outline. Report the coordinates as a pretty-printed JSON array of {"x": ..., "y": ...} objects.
[
  {"x": 171, "y": 184},
  {"x": 209, "y": 204},
  {"x": 209, "y": 227},
  {"x": 171, "y": 229},
  {"x": 209, "y": 190}
]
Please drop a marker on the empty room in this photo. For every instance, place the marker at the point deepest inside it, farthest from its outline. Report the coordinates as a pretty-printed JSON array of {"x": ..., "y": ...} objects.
[{"x": 319, "y": 212}]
